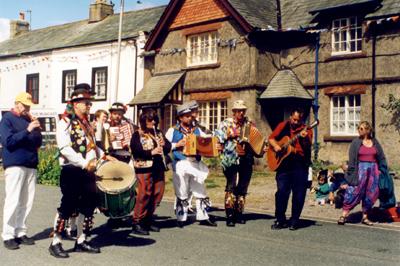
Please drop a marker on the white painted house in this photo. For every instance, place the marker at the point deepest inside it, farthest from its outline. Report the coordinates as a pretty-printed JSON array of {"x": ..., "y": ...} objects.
[{"x": 48, "y": 62}]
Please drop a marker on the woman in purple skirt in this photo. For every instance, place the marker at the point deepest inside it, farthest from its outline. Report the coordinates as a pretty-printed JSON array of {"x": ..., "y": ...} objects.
[{"x": 366, "y": 156}]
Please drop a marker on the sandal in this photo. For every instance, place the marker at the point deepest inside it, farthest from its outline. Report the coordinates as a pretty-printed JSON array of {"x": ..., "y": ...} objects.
[
  {"x": 366, "y": 221},
  {"x": 342, "y": 220}
]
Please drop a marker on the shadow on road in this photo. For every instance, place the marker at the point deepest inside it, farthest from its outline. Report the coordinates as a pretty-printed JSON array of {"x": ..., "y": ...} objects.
[
  {"x": 104, "y": 236},
  {"x": 43, "y": 235}
]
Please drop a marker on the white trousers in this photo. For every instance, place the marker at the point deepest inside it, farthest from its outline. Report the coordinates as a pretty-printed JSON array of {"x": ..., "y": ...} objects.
[
  {"x": 189, "y": 179},
  {"x": 20, "y": 190}
]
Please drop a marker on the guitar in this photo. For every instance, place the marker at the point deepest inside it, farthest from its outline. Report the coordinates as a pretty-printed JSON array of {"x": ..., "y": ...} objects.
[{"x": 274, "y": 159}]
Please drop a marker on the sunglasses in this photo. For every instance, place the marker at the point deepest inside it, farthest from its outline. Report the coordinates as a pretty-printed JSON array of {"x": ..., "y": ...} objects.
[{"x": 87, "y": 103}]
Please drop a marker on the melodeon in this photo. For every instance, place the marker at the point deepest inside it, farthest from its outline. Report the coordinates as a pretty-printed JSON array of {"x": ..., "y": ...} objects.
[
  {"x": 204, "y": 146},
  {"x": 123, "y": 135},
  {"x": 251, "y": 135}
]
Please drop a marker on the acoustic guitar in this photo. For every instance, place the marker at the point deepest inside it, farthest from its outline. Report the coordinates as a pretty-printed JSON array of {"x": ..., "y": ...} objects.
[{"x": 274, "y": 159}]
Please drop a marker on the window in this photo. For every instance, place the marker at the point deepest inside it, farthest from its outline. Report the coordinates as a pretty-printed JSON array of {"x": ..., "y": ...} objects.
[
  {"x": 212, "y": 113},
  {"x": 345, "y": 114},
  {"x": 48, "y": 124},
  {"x": 169, "y": 116},
  {"x": 32, "y": 86},
  {"x": 346, "y": 35},
  {"x": 99, "y": 83},
  {"x": 68, "y": 84},
  {"x": 202, "y": 49}
]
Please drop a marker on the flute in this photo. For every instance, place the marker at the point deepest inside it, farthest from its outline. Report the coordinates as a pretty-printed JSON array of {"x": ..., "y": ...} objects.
[{"x": 158, "y": 138}]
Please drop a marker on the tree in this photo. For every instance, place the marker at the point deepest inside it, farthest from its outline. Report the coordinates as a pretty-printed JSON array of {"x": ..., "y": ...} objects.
[{"x": 393, "y": 106}]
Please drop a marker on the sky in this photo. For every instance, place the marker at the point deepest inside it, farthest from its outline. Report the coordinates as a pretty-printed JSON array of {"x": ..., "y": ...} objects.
[{"x": 54, "y": 12}]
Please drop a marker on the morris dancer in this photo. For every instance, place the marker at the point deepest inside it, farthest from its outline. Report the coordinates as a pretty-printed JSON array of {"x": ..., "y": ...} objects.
[
  {"x": 190, "y": 172},
  {"x": 149, "y": 148},
  {"x": 120, "y": 147},
  {"x": 237, "y": 162},
  {"x": 79, "y": 155}
]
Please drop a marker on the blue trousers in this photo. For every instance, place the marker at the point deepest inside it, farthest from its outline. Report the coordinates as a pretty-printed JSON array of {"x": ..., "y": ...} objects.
[{"x": 290, "y": 180}]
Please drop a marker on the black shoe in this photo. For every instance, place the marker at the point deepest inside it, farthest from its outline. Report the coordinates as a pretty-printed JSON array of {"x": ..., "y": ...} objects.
[
  {"x": 294, "y": 226},
  {"x": 180, "y": 224},
  {"x": 240, "y": 219},
  {"x": 85, "y": 247},
  {"x": 58, "y": 251},
  {"x": 137, "y": 229},
  {"x": 279, "y": 225},
  {"x": 230, "y": 222},
  {"x": 208, "y": 222},
  {"x": 24, "y": 240},
  {"x": 154, "y": 228},
  {"x": 11, "y": 244}
]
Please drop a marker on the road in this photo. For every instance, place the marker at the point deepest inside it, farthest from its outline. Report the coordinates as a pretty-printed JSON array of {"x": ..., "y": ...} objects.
[{"x": 317, "y": 243}]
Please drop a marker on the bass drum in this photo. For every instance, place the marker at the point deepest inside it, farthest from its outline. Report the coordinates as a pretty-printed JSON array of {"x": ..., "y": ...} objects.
[{"x": 116, "y": 183}]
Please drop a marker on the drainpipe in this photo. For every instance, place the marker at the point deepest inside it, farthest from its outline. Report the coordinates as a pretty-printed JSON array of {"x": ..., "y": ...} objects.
[
  {"x": 118, "y": 51},
  {"x": 315, "y": 105},
  {"x": 135, "y": 82},
  {"x": 373, "y": 81}
]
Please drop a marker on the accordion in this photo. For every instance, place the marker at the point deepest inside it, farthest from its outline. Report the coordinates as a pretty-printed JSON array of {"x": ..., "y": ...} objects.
[
  {"x": 203, "y": 146},
  {"x": 122, "y": 134},
  {"x": 251, "y": 135}
]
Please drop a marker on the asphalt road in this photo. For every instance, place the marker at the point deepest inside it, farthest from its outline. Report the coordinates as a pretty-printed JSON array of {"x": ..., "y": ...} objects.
[{"x": 317, "y": 243}]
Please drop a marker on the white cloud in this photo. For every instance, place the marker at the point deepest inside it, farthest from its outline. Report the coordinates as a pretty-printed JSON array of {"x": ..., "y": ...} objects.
[{"x": 4, "y": 29}]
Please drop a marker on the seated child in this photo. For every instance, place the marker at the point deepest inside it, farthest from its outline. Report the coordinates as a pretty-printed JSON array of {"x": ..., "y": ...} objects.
[
  {"x": 322, "y": 189},
  {"x": 336, "y": 181}
]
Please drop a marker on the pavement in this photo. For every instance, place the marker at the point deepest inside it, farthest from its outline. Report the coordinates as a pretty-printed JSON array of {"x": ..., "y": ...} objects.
[{"x": 318, "y": 241}]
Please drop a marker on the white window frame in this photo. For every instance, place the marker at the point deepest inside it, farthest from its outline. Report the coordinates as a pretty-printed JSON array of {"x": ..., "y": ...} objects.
[
  {"x": 205, "y": 109},
  {"x": 69, "y": 81},
  {"x": 202, "y": 49},
  {"x": 100, "y": 84},
  {"x": 352, "y": 115},
  {"x": 343, "y": 30}
]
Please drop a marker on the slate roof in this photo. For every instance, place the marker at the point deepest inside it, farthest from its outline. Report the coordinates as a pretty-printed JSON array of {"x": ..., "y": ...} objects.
[
  {"x": 258, "y": 13},
  {"x": 82, "y": 33},
  {"x": 295, "y": 14},
  {"x": 285, "y": 84},
  {"x": 156, "y": 89}
]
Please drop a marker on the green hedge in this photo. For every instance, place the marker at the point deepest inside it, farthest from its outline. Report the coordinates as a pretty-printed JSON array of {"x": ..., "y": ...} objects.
[{"x": 49, "y": 169}]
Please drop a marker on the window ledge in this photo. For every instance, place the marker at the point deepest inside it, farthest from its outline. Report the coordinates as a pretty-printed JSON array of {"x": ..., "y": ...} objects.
[
  {"x": 346, "y": 56},
  {"x": 206, "y": 66},
  {"x": 330, "y": 138}
]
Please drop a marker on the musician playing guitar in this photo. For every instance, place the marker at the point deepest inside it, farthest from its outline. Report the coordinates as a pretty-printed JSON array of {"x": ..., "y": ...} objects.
[
  {"x": 291, "y": 175},
  {"x": 237, "y": 160}
]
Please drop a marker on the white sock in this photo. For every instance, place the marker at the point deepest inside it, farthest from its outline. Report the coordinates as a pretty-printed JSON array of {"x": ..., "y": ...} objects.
[
  {"x": 56, "y": 239},
  {"x": 79, "y": 225}
]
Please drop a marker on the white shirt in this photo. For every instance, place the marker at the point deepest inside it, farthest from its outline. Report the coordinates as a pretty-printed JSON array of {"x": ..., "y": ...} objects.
[{"x": 68, "y": 155}]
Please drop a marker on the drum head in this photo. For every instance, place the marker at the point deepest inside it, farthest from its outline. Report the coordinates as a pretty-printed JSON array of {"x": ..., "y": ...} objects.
[{"x": 115, "y": 177}]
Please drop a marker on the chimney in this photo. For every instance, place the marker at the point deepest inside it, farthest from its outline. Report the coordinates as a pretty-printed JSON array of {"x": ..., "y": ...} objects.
[
  {"x": 18, "y": 27},
  {"x": 100, "y": 10}
]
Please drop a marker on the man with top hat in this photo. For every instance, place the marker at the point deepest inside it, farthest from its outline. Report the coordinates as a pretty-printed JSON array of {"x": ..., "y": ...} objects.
[
  {"x": 21, "y": 139},
  {"x": 237, "y": 163},
  {"x": 120, "y": 132},
  {"x": 190, "y": 172},
  {"x": 78, "y": 159}
]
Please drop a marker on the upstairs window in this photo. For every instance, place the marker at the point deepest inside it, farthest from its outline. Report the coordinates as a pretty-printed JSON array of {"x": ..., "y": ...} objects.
[
  {"x": 68, "y": 84},
  {"x": 99, "y": 83},
  {"x": 345, "y": 114},
  {"x": 32, "y": 86},
  {"x": 346, "y": 35},
  {"x": 202, "y": 49}
]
